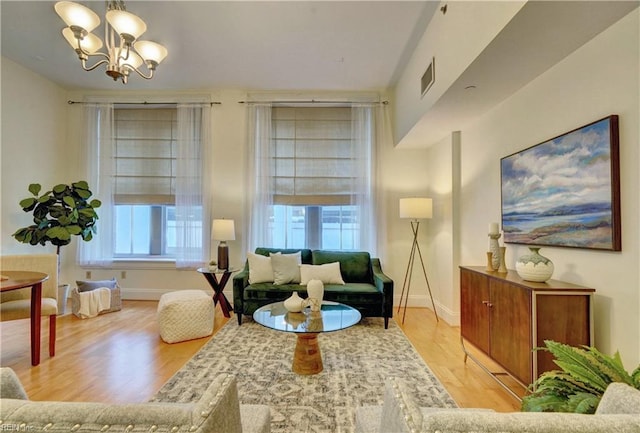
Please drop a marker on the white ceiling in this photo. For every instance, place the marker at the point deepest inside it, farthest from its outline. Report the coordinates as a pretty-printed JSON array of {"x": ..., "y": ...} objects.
[{"x": 287, "y": 45}]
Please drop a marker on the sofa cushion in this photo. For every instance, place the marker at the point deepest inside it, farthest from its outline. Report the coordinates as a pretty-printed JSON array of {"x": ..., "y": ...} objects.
[
  {"x": 355, "y": 266},
  {"x": 619, "y": 398},
  {"x": 328, "y": 273},
  {"x": 89, "y": 285},
  {"x": 286, "y": 268},
  {"x": 260, "y": 269}
]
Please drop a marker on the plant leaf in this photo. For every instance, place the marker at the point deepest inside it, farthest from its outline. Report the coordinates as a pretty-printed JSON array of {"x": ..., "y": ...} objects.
[
  {"x": 35, "y": 188},
  {"x": 28, "y": 204},
  {"x": 59, "y": 188},
  {"x": 73, "y": 230},
  {"x": 95, "y": 203},
  {"x": 69, "y": 201},
  {"x": 81, "y": 184},
  {"x": 58, "y": 233}
]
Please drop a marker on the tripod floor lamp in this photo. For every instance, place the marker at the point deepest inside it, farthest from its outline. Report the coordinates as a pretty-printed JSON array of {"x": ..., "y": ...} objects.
[{"x": 415, "y": 208}]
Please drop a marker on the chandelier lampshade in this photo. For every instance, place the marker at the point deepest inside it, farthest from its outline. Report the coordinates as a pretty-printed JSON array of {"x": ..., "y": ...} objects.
[
  {"x": 75, "y": 14},
  {"x": 90, "y": 43},
  {"x": 151, "y": 51},
  {"x": 125, "y": 23},
  {"x": 124, "y": 53}
]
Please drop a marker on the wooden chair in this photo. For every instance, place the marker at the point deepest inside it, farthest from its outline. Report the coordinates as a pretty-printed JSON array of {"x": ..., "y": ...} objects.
[{"x": 16, "y": 304}]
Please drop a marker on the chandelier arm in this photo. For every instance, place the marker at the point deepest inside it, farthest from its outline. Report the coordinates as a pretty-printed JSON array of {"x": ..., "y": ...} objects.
[
  {"x": 91, "y": 68},
  {"x": 140, "y": 73}
]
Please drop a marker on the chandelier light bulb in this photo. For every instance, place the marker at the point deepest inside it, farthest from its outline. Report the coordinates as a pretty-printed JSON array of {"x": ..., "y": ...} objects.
[
  {"x": 126, "y": 23},
  {"x": 90, "y": 43},
  {"x": 150, "y": 51},
  {"x": 74, "y": 14}
]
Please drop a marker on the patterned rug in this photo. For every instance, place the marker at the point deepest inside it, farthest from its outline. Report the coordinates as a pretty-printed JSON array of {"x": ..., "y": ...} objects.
[{"x": 356, "y": 362}]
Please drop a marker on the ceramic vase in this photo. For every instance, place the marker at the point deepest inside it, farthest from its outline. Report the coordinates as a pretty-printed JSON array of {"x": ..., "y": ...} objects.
[
  {"x": 294, "y": 303},
  {"x": 489, "y": 267},
  {"x": 494, "y": 247},
  {"x": 503, "y": 264},
  {"x": 315, "y": 289},
  {"x": 534, "y": 266}
]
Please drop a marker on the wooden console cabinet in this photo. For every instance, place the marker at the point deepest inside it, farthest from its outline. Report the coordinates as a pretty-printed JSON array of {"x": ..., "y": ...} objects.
[{"x": 506, "y": 318}]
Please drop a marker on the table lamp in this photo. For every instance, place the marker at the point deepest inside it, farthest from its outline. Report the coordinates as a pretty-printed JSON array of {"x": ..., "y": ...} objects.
[{"x": 223, "y": 230}]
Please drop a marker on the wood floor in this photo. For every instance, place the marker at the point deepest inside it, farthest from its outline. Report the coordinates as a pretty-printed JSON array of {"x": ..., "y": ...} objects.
[{"x": 120, "y": 358}]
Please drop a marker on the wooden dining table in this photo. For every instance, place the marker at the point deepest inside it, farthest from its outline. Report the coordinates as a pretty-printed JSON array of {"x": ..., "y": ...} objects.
[{"x": 14, "y": 280}]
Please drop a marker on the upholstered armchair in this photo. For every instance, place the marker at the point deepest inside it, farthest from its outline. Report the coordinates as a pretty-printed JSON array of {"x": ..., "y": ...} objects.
[{"x": 16, "y": 304}]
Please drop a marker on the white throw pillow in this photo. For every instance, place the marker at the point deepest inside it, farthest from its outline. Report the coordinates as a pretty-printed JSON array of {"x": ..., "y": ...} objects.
[
  {"x": 286, "y": 268},
  {"x": 329, "y": 273},
  {"x": 260, "y": 270}
]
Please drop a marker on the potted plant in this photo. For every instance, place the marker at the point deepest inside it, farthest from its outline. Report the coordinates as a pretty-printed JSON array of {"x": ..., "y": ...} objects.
[
  {"x": 59, "y": 214},
  {"x": 578, "y": 387}
]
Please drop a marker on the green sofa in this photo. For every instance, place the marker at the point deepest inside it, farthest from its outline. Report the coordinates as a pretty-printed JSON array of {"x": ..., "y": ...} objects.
[{"x": 366, "y": 287}]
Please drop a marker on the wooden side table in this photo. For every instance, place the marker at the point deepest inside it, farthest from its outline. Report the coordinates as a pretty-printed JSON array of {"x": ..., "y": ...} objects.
[{"x": 218, "y": 286}]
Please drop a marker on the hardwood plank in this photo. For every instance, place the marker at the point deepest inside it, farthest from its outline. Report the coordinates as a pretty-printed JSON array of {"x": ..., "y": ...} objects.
[{"x": 120, "y": 358}]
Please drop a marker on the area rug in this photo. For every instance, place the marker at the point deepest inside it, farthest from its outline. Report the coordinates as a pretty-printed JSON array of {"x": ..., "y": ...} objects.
[{"x": 356, "y": 362}]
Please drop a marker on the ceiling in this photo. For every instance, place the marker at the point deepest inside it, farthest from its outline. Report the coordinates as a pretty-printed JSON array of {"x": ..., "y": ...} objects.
[{"x": 266, "y": 45}]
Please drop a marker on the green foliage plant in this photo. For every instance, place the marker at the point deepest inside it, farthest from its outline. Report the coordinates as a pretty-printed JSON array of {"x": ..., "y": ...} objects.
[
  {"x": 578, "y": 387},
  {"x": 59, "y": 214}
]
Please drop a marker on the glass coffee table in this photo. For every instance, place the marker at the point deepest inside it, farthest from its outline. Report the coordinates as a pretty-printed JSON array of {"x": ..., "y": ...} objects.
[{"x": 332, "y": 316}]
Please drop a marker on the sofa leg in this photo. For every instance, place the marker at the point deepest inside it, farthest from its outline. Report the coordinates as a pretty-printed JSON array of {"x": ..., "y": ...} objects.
[
  {"x": 386, "y": 323},
  {"x": 239, "y": 318}
]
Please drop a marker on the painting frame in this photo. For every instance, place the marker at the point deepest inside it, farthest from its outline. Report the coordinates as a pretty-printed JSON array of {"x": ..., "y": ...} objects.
[{"x": 565, "y": 191}]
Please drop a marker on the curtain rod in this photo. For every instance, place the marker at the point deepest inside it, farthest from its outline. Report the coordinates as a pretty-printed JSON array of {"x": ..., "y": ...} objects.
[
  {"x": 312, "y": 101},
  {"x": 70, "y": 102}
]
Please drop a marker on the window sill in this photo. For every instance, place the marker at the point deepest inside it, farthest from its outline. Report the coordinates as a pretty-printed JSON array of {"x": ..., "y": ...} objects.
[{"x": 139, "y": 264}]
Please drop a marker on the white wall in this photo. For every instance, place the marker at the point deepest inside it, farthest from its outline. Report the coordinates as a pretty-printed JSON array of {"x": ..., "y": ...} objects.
[
  {"x": 599, "y": 79},
  {"x": 33, "y": 147}
]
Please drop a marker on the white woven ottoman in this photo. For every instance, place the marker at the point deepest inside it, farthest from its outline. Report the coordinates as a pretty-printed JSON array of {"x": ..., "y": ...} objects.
[{"x": 185, "y": 315}]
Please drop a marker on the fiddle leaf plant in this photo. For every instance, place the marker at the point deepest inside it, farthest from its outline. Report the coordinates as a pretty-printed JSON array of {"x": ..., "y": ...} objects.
[
  {"x": 59, "y": 214},
  {"x": 579, "y": 385}
]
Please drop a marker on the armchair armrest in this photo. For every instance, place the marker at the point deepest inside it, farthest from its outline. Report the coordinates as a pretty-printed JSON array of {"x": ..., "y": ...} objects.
[{"x": 11, "y": 386}]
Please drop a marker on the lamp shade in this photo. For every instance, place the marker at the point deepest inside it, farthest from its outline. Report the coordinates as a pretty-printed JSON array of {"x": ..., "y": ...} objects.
[
  {"x": 150, "y": 51},
  {"x": 90, "y": 43},
  {"x": 74, "y": 14},
  {"x": 223, "y": 230},
  {"x": 126, "y": 23},
  {"x": 416, "y": 208}
]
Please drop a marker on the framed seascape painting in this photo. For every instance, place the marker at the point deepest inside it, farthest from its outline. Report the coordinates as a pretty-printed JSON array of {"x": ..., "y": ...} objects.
[{"x": 565, "y": 191}]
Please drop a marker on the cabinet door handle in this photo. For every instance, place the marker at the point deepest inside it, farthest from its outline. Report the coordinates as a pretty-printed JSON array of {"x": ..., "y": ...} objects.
[{"x": 487, "y": 303}]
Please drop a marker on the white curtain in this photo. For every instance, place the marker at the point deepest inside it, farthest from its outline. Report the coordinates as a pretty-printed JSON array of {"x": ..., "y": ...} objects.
[
  {"x": 193, "y": 185},
  {"x": 260, "y": 183},
  {"x": 100, "y": 169},
  {"x": 369, "y": 131}
]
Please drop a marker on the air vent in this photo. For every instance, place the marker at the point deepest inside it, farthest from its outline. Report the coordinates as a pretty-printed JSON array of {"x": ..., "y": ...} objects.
[{"x": 428, "y": 77}]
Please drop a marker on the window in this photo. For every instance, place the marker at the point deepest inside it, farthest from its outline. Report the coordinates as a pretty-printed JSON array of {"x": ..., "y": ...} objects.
[
  {"x": 149, "y": 167},
  {"x": 313, "y": 179},
  {"x": 144, "y": 187}
]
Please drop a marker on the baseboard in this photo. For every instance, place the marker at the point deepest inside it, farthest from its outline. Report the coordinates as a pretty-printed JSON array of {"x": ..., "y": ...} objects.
[{"x": 423, "y": 301}]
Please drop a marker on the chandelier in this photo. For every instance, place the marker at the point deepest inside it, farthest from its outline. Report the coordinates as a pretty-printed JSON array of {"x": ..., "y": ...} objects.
[{"x": 124, "y": 52}]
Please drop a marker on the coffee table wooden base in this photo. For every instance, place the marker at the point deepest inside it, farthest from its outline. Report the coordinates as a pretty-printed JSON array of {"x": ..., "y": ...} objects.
[{"x": 307, "y": 358}]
